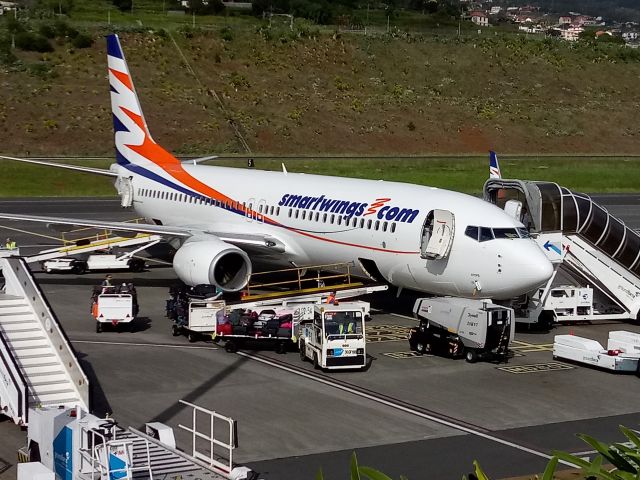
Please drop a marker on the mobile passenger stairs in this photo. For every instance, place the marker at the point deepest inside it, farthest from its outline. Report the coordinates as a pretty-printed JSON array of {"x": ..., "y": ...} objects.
[
  {"x": 74, "y": 444},
  {"x": 38, "y": 366},
  {"x": 580, "y": 237}
]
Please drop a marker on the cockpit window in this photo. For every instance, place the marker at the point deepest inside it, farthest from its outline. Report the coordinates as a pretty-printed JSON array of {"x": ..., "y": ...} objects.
[
  {"x": 485, "y": 234},
  {"x": 524, "y": 233},
  {"x": 472, "y": 232},
  {"x": 505, "y": 233}
]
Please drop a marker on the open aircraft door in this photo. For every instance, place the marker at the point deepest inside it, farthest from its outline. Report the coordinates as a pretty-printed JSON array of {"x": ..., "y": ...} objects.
[{"x": 437, "y": 235}]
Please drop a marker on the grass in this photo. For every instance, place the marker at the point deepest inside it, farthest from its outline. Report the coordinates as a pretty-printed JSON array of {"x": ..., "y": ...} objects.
[{"x": 593, "y": 175}]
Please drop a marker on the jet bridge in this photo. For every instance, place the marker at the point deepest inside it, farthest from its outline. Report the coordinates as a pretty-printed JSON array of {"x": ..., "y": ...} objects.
[
  {"x": 579, "y": 234},
  {"x": 37, "y": 364}
]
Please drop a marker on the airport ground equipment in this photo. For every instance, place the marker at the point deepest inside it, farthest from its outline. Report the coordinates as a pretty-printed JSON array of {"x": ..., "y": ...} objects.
[
  {"x": 9, "y": 252},
  {"x": 115, "y": 306},
  {"x": 335, "y": 338},
  {"x": 81, "y": 242},
  {"x": 37, "y": 363},
  {"x": 568, "y": 303},
  {"x": 459, "y": 327},
  {"x": 76, "y": 445},
  {"x": 590, "y": 352},
  {"x": 104, "y": 262},
  {"x": 196, "y": 318},
  {"x": 579, "y": 236}
]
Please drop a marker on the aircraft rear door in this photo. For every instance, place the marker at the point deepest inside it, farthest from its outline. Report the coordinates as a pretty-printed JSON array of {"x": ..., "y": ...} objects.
[{"x": 437, "y": 235}]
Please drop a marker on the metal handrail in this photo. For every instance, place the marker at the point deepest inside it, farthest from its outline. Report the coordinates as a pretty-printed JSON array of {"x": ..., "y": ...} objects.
[{"x": 300, "y": 280}]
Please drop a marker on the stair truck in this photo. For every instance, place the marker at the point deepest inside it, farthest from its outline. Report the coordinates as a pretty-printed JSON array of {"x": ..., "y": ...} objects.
[
  {"x": 459, "y": 327},
  {"x": 335, "y": 338}
]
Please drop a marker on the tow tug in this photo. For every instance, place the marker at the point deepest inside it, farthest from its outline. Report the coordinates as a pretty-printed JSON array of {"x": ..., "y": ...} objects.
[
  {"x": 621, "y": 355},
  {"x": 335, "y": 338}
]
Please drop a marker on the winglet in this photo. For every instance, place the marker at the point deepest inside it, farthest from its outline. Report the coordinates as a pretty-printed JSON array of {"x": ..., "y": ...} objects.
[{"x": 494, "y": 167}]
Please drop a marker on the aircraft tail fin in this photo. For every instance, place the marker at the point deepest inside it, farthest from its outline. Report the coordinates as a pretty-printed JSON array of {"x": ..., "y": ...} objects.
[
  {"x": 494, "y": 167},
  {"x": 133, "y": 141}
]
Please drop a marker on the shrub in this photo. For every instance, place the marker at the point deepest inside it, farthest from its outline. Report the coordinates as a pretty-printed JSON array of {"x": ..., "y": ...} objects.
[
  {"x": 82, "y": 40},
  {"x": 33, "y": 42},
  {"x": 227, "y": 34},
  {"x": 14, "y": 25},
  {"x": 47, "y": 31}
]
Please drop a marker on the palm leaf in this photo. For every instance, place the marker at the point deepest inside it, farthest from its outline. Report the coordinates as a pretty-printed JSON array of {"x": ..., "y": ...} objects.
[
  {"x": 551, "y": 469},
  {"x": 478, "y": 471},
  {"x": 373, "y": 474},
  {"x": 355, "y": 473},
  {"x": 611, "y": 455}
]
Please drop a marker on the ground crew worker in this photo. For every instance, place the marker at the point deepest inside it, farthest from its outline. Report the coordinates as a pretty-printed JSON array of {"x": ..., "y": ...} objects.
[
  {"x": 331, "y": 299},
  {"x": 107, "y": 281},
  {"x": 10, "y": 244}
]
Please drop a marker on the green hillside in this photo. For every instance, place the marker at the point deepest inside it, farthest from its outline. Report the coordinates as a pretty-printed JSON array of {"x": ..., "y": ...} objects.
[{"x": 316, "y": 90}]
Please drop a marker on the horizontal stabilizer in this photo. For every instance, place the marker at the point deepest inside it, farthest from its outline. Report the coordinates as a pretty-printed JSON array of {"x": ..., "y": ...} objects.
[{"x": 78, "y": 168}]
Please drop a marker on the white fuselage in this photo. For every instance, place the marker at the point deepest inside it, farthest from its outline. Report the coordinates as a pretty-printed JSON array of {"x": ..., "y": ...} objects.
[{"x": 297, "y": 209}]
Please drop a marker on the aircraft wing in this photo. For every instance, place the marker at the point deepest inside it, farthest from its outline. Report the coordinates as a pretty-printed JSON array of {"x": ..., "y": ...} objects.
[
  {"x": 78, "y": 168},
  {"x": 252, "y": 242}
]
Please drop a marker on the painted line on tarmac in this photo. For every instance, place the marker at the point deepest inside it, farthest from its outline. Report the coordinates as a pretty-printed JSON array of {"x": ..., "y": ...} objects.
[
  {"x": 406, "y": 409},
  {"x": 131, "y": 344},
  {"x": 402, "y": 316}
]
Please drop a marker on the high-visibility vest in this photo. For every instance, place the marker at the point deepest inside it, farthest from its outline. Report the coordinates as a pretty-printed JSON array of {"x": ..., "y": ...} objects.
[{"x": 10, "y": 245}]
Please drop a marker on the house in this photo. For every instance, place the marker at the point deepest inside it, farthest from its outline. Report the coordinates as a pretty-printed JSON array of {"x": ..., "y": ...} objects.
[
  {"x": 7, "y": 7},
  {"x": 479, "y": 18},
  {"x": 495, "y": 10},
  {"x": 630, "y": 36},
  {"x": 572, "y": 32},
  {"x": 565, "y": 20}
]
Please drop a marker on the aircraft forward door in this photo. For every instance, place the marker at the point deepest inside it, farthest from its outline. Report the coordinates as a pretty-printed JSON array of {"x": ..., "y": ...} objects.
[
  {"x": 437, "y": 235},
  {"x": 125, "y": 189}
]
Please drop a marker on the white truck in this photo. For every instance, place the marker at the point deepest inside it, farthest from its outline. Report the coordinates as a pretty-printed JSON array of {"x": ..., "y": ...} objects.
[
  {"x": 335, "y": 338},
  {"x": 459, "y": 327},
  {"x": 571, "y": 303},
  {"x": 94, "y": 263},
  {"x": 111, "y": 306},
  {"x": 621, "y": 355}
]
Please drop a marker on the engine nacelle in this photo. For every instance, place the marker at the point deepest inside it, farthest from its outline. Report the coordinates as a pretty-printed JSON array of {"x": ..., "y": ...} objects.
[{"x": 214, "y": 262}]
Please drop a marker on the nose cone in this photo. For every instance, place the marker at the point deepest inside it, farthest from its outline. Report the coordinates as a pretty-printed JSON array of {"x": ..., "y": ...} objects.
[{"x": 532, "y": 268}]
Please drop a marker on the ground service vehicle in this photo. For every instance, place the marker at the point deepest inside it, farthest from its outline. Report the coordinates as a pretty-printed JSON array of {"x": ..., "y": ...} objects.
[
  {"x": 621, "y": 355},
  {"x": 459, "y": 327},
  {"x": 335, "y": 338},
  {"x": 93, "y": 263},
  {"x": 114, "y": 305},
  {"x": 197, "y": 318}
]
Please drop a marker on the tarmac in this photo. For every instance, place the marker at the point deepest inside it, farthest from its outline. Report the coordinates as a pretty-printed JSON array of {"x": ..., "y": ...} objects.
[{"x": 506, "y": 416}]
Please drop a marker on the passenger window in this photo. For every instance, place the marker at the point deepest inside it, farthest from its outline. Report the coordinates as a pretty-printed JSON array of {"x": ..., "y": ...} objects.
[
  {"x": 339, "y": 219},
  {"x": 278, "y": 211},
  {"x": 377, "y": 224},
  {"x": 333, "y": 217},
  {"x": 271, "y": 210},
  {"x": 368, "y": 224},
  {"x": 304, "y": 214},
  {"x": 393, "y": 227},
  {"x": 485, "y": 234},
  {"x": 362, "y": 223},
  {"x": 317, "y": 216},
  {"x": 297, "y": 212},
  {"x": 260, "y": 209},
  {"x": 472, "y": 232},
  {"x": 384, "y": 227},
  {"x": 290, "y": 212},
  {"x": 324, "y": 218}
]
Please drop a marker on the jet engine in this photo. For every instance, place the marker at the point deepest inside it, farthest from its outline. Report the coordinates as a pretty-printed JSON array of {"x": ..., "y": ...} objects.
[{"x": 214, "y": 262}]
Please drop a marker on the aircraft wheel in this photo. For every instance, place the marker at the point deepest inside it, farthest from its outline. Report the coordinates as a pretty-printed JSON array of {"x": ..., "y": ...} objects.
[
  {"x": 231, "y": 347},
  {"x": 471, "y": 355},
  {"x": 175, "y": 331},
  {"x": 421, "y": 348},
  {"x": 191, "y": 337},
  {"x": 79, "y": 268}
]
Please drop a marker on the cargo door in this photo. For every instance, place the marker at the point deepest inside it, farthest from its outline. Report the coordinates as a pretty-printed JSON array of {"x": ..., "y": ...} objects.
[{"x": 437, "y": 235}]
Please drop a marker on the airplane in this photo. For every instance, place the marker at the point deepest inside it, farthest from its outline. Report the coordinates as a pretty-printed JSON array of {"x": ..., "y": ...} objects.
[
  {"x": 223, "y": 219},
  {"x": 494, "y": 167}
]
